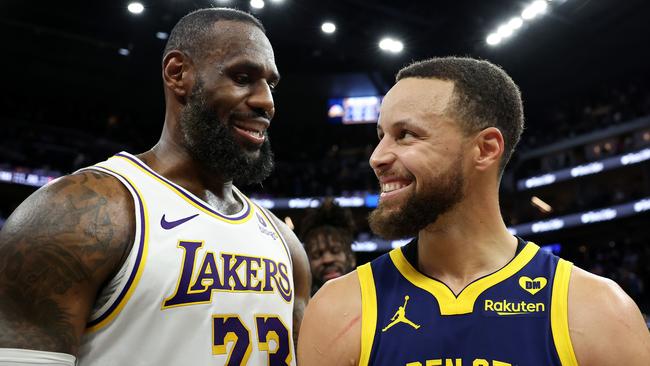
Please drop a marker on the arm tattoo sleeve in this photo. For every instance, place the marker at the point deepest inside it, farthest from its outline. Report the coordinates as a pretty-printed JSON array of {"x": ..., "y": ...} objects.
[{"x": 54, "y": 250}]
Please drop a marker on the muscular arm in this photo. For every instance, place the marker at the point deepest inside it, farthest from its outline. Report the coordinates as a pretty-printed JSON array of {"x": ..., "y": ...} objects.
[
  {"x": 606, "y": 326},
  {"x": 331, "y": 329},
  {"x": 56, "y": 250},
  {"x": 301, "y": 276}
]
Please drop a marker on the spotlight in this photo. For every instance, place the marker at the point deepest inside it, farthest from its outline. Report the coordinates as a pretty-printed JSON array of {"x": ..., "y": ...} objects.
[
  {"x": 528, "y": 13},
  {"x": 135, "y": 8},
  {"x": 257, "y": 4},
  {"x": 391, "y": 45},
  {"x": 162, "y": 35},
  {"x": 539, "y": 6},
  {"x": 493, "y": 39},
  {"x": 124, "y": 51},
  {"x": 504, "y": 31},
  {"x": 328, "y": 27},
  {"x": 515, "y": 23},
  {"x": 533, "y": 10}
]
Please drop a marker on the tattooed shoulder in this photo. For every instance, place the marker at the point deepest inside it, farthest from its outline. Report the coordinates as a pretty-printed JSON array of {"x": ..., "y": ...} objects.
[{"x": 56, "y": 250}]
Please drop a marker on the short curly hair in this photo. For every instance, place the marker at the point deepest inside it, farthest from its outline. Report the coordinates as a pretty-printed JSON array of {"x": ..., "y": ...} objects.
[
  {"x": 329, "y": 218},
  {"x": 484, "y": 96}
]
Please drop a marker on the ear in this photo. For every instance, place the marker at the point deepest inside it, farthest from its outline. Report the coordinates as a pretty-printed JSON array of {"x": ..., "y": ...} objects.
[
  {"x": 489, "y": 148},
  {"x": 178, "y": 73}
]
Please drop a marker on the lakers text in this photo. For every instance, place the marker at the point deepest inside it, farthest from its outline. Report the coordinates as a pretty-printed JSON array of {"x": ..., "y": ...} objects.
[{"x": 201, "y": 276}]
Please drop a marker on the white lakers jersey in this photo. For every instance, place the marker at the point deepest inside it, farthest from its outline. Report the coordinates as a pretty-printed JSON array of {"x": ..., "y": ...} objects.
[{"x": 198, "y": 287}]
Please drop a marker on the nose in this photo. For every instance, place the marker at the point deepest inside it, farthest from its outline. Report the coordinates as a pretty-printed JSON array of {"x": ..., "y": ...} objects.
[
  {"x": 261, "y": 99},
  {"x": 382, "y": 156},
  {"x": 327, "y": 257}
]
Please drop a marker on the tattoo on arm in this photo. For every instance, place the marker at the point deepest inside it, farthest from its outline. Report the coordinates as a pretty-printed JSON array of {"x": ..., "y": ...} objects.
[{"x": 55, "y": 251}]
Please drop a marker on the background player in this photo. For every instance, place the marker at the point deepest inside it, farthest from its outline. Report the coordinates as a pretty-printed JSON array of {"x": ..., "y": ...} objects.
[
  {"x": 158, "y": 258},
  {"x": 480, "y": 295},
  {"x": 327, "y": 233}
]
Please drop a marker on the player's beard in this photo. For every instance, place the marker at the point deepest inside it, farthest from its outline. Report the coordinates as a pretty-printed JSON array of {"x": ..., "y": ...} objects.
[
  {"x": 212, "y": 143},
  {"x": 421, "y": 208}
]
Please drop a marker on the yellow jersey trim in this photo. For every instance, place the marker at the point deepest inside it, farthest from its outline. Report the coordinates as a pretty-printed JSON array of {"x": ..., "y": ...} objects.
[
  {"x": 189, "y": 200},
  {"x": 464, "y": 303},
  {"x": 144, "y": 225},
  {"x": 559, "y": 314},
  {"x": 368, "y": 312}
]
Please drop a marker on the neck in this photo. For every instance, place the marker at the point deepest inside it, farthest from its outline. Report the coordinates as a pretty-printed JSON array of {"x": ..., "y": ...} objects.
[
  {"x": 171, "y": 160},
  {"x": 467, "y": 243}
]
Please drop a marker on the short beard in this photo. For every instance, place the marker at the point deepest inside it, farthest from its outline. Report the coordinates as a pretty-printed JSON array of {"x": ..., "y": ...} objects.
[
  {"x": 421, "y": 209},
  {"x": 211, "y": 142}
]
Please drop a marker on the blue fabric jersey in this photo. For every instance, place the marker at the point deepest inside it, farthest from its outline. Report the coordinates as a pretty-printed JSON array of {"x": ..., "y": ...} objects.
[{"x": 515, "y": 316}]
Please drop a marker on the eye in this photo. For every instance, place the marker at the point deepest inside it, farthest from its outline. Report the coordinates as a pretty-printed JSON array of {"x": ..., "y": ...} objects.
[
  {"x": 273, "y": 85},
  {"x": 242, "y": 79},
  {"x": 405, "y": 134}
]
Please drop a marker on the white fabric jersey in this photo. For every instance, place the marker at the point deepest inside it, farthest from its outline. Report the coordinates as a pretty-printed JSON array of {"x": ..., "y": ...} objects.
[{"x": 198, "y": 288}]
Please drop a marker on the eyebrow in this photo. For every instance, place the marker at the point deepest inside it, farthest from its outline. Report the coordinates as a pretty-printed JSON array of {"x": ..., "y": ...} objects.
[
  {"x": 250, "y": 65},
  {"x": 398, "y": 124}
]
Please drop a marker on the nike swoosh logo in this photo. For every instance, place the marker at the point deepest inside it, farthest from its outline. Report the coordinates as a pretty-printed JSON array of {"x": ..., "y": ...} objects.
[{"x": 167, "y": 225}]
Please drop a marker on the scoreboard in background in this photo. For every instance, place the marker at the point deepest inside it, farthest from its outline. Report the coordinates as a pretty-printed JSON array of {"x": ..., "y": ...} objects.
[{"x": 354, "y": 110}]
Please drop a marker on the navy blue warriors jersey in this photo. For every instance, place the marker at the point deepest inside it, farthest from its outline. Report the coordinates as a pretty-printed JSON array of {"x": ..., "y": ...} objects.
[{"x": 514, "y": 316}]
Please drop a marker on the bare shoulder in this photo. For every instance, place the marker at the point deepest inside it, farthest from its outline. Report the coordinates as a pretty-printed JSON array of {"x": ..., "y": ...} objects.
[
  {"x": 331, "y": 329},
  {"x": 605, "y": 324},
  {"x": 56, "y": 250}
]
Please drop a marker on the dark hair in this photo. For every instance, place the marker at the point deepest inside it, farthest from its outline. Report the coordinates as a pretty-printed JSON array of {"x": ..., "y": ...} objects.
[
  {"x": 329, "y": 218},
  {"x": 484, "y": 96},
  {"x": 191, "y": 32}
]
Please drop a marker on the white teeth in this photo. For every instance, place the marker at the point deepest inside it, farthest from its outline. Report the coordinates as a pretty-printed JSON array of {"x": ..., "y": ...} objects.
[
  {"x": 389, "y": 187},
  {"x": 257, "y": 134}
]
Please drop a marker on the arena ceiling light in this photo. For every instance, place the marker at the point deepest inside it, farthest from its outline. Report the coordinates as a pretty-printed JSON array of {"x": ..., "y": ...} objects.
[
  {"x": 257, "y": 4},
  {"x": 509, "y": 28},
  {"x": 391, "y": 45},
  {"x": 540, "y": 204},
  {"x": 162, "y": 35},
  {"x": 135, "y": 8},
  {"x": 538, "y": 7},
  {"x": 328, "y": 27}
]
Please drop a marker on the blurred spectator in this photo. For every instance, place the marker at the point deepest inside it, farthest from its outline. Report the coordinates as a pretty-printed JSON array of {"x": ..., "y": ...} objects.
[{"x": 327, "y": 233}]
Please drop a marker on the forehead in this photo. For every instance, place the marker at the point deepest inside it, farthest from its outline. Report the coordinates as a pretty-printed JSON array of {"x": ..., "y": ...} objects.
[
  {"x": 239, "y": 40},
  {"x": 323, "y": 239},
  {"x": 411, "y": 98}
]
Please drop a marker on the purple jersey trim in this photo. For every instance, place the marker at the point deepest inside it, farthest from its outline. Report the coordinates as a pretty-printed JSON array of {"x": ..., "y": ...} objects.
[
  {"x": 277, "y": 230},
  {"x": 186, "y": 194},
  {"x": 138, "y": 259}
]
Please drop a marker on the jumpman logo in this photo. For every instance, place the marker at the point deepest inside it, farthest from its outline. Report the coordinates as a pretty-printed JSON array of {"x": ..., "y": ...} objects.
[{"x": 400, "y": 316}]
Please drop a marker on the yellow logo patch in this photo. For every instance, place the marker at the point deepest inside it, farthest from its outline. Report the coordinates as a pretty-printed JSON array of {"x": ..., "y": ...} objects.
[{"x": 532, "y": 285}]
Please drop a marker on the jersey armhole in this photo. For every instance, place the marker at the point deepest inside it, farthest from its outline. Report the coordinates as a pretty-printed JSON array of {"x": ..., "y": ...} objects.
[
  {"x": 559, "y": 314},
  {"x": 269, "y": 217},
  {"x": 126, "y": 279},
  {"x": 368, "y": 312}
]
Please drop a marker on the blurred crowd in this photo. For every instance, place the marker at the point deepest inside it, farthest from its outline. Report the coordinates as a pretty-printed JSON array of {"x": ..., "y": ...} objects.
[{"x": 623, "y": 261}]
